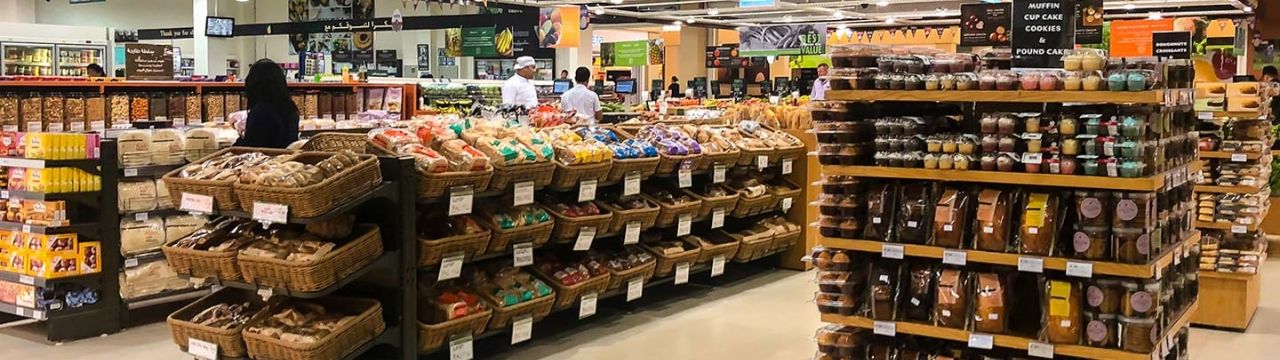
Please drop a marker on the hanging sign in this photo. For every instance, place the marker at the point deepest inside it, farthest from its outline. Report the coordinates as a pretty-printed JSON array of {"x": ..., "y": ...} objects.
[
  {"x": 1171, "y": 44},
  {"x": 984, "y": 24},
  {"x": 478, "y": 41},
  {"x": 1041, "y": 33},
  {"x": 1132, "y": 38},
  {"x": 806, "y": 39},
  {"x": 148, "y": 62},
  {"x": 1089, "y": 21},
  {"x": 558, "y": 27},
  {"x": 631, "y": 53}
]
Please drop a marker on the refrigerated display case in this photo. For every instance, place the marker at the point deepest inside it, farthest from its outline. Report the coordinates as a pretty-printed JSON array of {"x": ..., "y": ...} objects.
[
  {"x": 72, "y": 59},
  {"x": 27, "y": 59}
]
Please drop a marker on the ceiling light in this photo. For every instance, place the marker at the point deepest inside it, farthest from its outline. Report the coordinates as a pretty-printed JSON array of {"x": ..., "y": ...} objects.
[
  {"x": 890, "y": 20},
  {"x": 838, "y": 14},
  {"x": 671, "y": 28},
  {"x": 1129, "y": 6},
  {"x": 691, "y": 20},
  {"x": 677, "y": 23},
  {"x": 616, "y": 1},
  {"x": 1248, "y": 8},
  {"x": 1155, "y": 15},
  {"x": 599, "y": 11},
  {"x": 786, "y": 18},
  {"x": 883, "y": 3},
  {"x": 713, "y": 12},
  {"x": 242, "y": 0}
]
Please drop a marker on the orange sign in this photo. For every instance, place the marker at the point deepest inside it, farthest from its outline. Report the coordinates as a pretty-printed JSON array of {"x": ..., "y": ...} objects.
[
  {"x": 1132, "y": 38},
  {"x": 558, "y": 27}
]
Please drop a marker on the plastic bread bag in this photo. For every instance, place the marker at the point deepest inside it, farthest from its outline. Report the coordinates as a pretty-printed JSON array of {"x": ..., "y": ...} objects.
[
  {"x": 992, "y": 221},
  {"x": 499, "y": 152},
  {"x": 950, "y": 216},
  {"x": 880, "y": 203},
  {"x": 1063, "y": 318},
  {"x": 394, "y": 97},
  {"x": 1038, "y": 225},
  {"x": 425, "y": 158},
  {"x": 463, "y": 156},
  {"x": 951, "y": 298},
  {"x": 989, "y": 305},
  {"x": 911, "y": 222},
  {"x": 139, "y": 236},
  {"x": 884, "y": 286},
  {"x": 918, "y": 300}
]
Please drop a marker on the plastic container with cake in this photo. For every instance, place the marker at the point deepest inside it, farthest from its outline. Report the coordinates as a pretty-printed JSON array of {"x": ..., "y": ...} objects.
[
  {"x": 855, "y": 55},
  {"x": 858, "y": 78}
]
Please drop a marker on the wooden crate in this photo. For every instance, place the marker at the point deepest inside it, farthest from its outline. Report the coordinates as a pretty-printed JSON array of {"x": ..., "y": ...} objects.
[{"x": 1227, "y": 300}]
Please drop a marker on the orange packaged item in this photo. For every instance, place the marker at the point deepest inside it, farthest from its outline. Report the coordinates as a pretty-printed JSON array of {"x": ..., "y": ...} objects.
[
  {"x": 1062, "y": 323},
  {"x": 426, "y": 159},
  {"x": 90, "y": 258},
  {"x": 53, "y": 265},
  {"x": 1039, "y": 228},
  {"x": 992, "y": 227},
  {"x": 463, "y": 156},
  {"x": 44, "y": 213},
  {"x": 989, "y": 309},
  {"x": 950, "y": 217}
]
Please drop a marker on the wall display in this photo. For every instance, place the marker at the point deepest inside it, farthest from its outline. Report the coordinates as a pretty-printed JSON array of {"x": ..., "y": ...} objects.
[
  {"x": 165, "y": 34},
  {"x": 558, "y": 27},
  {"x": 807, "y": 39},
  {"x": 148, "y": 62},
  {"x": 656, "y": 49},
  {"x": 1171, "y": 44},
  {"x": 1132, "y": 38},
  {"x": 219, "y": 26},
  {"x": 453, "y": 42},
  {"x": 1089, "y": 22},
  {"x": 301, "y": 11},
  {"x": 920, "y": 36},
  {"x": 1041, "y": 33},
  {"x": 424, "y": 54},
  {"x": 630, "y": 53},
  {"x": 984, "y": 24},
  {"x": 445, "y": 58}
]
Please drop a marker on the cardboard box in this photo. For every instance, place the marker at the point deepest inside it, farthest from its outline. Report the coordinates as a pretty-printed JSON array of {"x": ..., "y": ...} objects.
[
  {"x": 1245, "y": 104},
  {"x": 44, "y": 213},
  {"x": 54, "y": 264},
  {"x": 1244, "y": 88},
  {"x": 18, "y": 262},
  {"x": 90, "y": 258},
  {"x": 1210, "y": 89}
]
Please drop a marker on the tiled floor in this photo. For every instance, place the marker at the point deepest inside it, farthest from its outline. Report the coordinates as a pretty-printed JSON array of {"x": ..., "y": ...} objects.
[{"x": 766, "y": 316}]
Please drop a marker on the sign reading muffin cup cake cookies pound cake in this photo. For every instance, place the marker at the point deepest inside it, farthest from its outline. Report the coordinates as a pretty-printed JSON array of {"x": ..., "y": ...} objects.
[{"x": 1042, "y": 33}]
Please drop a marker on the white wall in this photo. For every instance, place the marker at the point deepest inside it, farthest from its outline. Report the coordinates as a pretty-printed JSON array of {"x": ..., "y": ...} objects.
[{"x": 18, "y": 11}]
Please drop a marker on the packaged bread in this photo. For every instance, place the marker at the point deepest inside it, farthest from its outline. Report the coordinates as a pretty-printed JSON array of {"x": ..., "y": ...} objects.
[
  {"x": 992, "y": 223},
  {"x": 150, "y": 278},
  {"x": 179, "y": 226},
  {"x": 392, "y": 139},
  {"x": 138, "y": 236},
  {"x": 163, "y": 201},
  {"x": 425, "y": 158},
  {"x": 911, "y": 223},
  {"x": 918, "y": 300},
  {"x": 395, "y": 96},
  {"x": 885, "y": 277},
  {"x": 137, "y": 195},
  {"x": 952, "y": 297},
  {"x": 463, "y": 157},
  {"x": 989, "y": 312},
  {"x": 166, "y": 147},
  {"x": 950, "y": 217},
  {"x": 880, "y": 203},
  {"x": 134, "y": 147},
  {"x": 1062, "y": 322},
  {"x": 1038, "y": 228}
]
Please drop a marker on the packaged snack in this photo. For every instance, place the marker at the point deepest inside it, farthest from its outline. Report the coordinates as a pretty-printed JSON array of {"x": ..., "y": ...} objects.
[
  {"x": 1039, "y": 224},
  {"x": 991, "y": 228},
  {"x": 1062, "y": 321},
  {"x": 395, "y": 95},
  {"x": 989, "y": 305},
  {"x": 950, "y": 217},
  {"x": 911, "y": 222},
  {"x": 90, "y": 257},
  {"x": 880, "y": 204},
  {"x": 918, "y": 305},
  {"x": 884, "y": 282}
]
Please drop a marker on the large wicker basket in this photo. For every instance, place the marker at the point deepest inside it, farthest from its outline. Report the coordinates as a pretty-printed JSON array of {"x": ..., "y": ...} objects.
[
  {"x": 222, "y": 191},
  {"x": 432, "y": 185},
  {"x": 751, "y": 206},
  {"x": 750, "y": 156},
  {"x": 667, "y": 164},
  {"x": 710, "y": 251},
  {"x": 538, "y": 234},
  {"x": 347, "y": 337},
  {"x": 567, "y": 227},
  {"x": 202, "y": 263},
  {"x": 430, "y": 251},
  {"x": 643, "y": 166},
  {"x": 779, "y": 193},
  {"x": 319, "y": 274},
  {"x": 434, "y": 336},
  {"x": 539, "y": 173},
  {"x": 568, "y": 176},
  {"x": 667, "y": 263},
  {"x": 617, "y": 278},
  {"x": 783, "y": 241},
  {"x": 335, "y": 141},
  {"x": 726, "y": 202},
  {"x": 669, "y": 214},
  {"x": 646, "y": 216},
  {"x": 728, "y": 158},
  {"x": 503, "y": 315},
  {"x": 230, "y": 342},
  {"x": 751, "y": 246},
  {"x": 320, "y": 198},
  {"x": 567, "y": 295}
]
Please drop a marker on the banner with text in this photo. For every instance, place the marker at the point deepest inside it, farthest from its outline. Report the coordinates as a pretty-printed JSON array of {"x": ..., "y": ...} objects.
[
  {"x": 1171, "y": 44},
  {"x": 1042, "y": 32},
  {"x": 1132, "y": 38},
  {"x": 478, "y": 42},
  {"x": 807, "y": 39},
  {"x": 631, "y": 53},
  {"x": 148, "y": 62}
]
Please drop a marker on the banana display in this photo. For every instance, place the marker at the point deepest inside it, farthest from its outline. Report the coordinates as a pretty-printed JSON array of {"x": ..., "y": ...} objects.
[{"x": 503, "y": 42}]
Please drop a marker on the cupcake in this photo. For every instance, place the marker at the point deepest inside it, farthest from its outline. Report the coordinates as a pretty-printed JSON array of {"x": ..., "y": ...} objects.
[
  {"x": 1030, "y": 81},
  {"x": 1093, "y": 82},
  {"x": 849, "y": 206},
  {"x": 849, "y": 229},
  {"x": 1049, "y": 82},
  {"x": 1072, "y": 82},
  {"x": 1116, "y": 81},
  {"x": 1072, "y": 62}
]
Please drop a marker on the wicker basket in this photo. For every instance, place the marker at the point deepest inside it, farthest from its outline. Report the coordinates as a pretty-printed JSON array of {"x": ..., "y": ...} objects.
[
  {"x": 320, "y": 198},
  {"x": 749, "y": 156},
  {"x": 568, "y": 176},
  {"x": 432, "y": 185},
  {"x": 222, "y": 191},
  {"x": 335, "y": 141},
  {"x": 432, "y": 337},
  {"x": 710, "y": 251},
  {"x": 538, "y": 234},
  {"x": 567, "y": 228},
  {"x": 567, "y": 295},
  {"x": 750, "y": 247},
  {"x": 750, "y": 206},
  {"x": 617, "y": 278},
  {"x": 667, "y": 164},
  {"x": 779, "y": 194},
  {"x": 346, "y": 338},
  {"x": 728, "y": 158},
  {"x": 430, "y": 251},
  {"x": 784, "y": 241},
  {"x": 726, "y": 202},
  {"x": 668, "y": 214},
  {"x": 796, "y": 152},
  {"x": 667, "y": 263},
  {"x": 503, "y": 315},
  {"x": 318, "y": 274},
  {"x": 230, "y": 342},
  {"x": 646, "y": 216},
  {"x": 621, "y": 167},
  {"x": 202, "y": 263},
  {"x": 539, "y": 173}
]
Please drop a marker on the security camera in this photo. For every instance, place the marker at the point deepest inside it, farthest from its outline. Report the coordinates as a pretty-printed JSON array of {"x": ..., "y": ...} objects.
[{"x": 865, "y": 5}]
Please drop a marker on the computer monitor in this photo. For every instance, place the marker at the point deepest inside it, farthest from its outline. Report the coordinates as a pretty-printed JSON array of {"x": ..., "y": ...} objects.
[
  {"x": 560, "y": 86},
  {"x": 219, "y": 26},
  {"x": 625, "y": 86}
]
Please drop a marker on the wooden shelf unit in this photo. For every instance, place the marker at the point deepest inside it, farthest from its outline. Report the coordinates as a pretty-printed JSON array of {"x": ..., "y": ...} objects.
[
  {"x": 1151, "y": 183},
  {"x": 1239, "y": 189},
  {"x": 1009, "y": 96},
  {"x": 1228, "y": 154}
]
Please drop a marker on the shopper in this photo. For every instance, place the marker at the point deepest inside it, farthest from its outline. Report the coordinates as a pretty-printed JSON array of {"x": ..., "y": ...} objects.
[
  {"x": 582, "y": 101},
  {"x": 518, "y": 90},
  {"x": 674, "y": 88},
  {"x": 94, "y": 70},
  {"x": 564, "y": 74},
  {"x": 273, "y": 118},
  {"x": 820, "y": 86}
]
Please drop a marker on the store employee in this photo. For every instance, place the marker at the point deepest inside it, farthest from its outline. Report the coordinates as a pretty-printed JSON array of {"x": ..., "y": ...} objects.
[
  {"x": 519, "y": 90},
  {"x": 584, "y": 102},
  {"x": 821, "y": 85}
]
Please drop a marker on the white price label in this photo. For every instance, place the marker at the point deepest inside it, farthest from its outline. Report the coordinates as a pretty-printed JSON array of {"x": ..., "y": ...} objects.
[
  {"x": 913, "y": 224},
  {"x": 270, "y": 213},
  {"x": 717, "y": 266},
  {"x": 717, "y": 218},
  {"x": 717, "y": 173},
  {"x": 955, "y": 257},
  {"x": 786, "y": 204},
  {"x": 524, "y": 193},
  {"x": 1237, "y": 157},
  {"x": 460, "y": 200},
  {"x": 685, "y": 177},
  {"x": 586, "y": 235},
  {"x": 587, "y": 306},
  {"x": 682, "y": 273},
  {"x": 631, "y": 185},
  {"x": 522, "y": 254},
  {"x": 26, "y": 279},
  {"x": 892, "y": 251},
  {"x": 1031, "y": 264},
  {"x": 981, "y": 341},
  {"x": 142, "y": 216},
  {"x": 460, "y": 347},
  {"x": 521, "y": 329},
  {"x": 266, "y": 293},
  {"x": 1205, "y": 115},
  {"x": 684, "y": 225},
  {"x": 26, "y": 228},
  {"x": 4, "y": 194},
  {"x": 1080, "y": 269},
  {"x": 587, "y": 190},
  {"x": 197, "y": 203},
  {"x": 632, "y": 235},
  {"x": 202, "y": 349},
  {"x": 1239, "y": 229},
  {"x": 762, "y": 161},
  {"x": 786, "y": 166},
  {"x": 451, "y": 266},
  {"x": 886, "y": 328},
  {"x": 1040, "y": 350},
  {"x": 130, "y": 172},
  {"x": 130, "y": 262},
  {"x": 635, "y": 289}
]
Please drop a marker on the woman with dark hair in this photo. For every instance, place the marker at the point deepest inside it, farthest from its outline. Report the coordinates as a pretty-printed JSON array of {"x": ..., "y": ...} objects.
[{"x": 273, "y": 118}]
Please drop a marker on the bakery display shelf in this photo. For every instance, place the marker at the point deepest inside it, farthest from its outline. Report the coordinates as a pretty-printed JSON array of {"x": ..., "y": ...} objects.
[
  {"x": 483, "y": 194},
  {"x": 474, "y": 259},
  {"x": 1230, "y": 155},
  {"x": 384, "y": 190},
  {"x": 132, "y": 260},
  {"x": 1238, "y": 189},
  {"x": 28, "y": 63},
  {"x": 87, "y": 197},
  {"x": 85, "y": 228},
  {"x": 1226, "y": 275},
  {"x": 599, "y": 184},
  {"x": 166, "y": 298},
  {"x": 1230, "y": 226},
  {"x": 1145, "y": 271},
  {"x": 86, "y": 164},
  {"x": 1210, "y": 115},
  {"x": 1017, "y": 342},
  {"x": 149, "y": 171},
  {"x": 1150, "y": 183},
  {"x": 1008, "y": 96},
  {"x": 386, "y": 260},
  {"x": 23, "y": 311},
  {"x": 43, "y": 282}
]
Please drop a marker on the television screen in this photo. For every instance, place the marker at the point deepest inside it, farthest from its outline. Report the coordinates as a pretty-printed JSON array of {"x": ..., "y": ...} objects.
[
  {"x": 625, "y": 86},
  {"x": 560, "y": 86},
  {"x": 219, "y": 26}
]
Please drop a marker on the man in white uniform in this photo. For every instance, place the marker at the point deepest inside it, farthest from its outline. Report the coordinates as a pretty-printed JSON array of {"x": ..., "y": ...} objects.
[
  {"x": 518, "y": 90},
  {"x": 584, "y": 102},
  {"x": 820, "y": 86}
]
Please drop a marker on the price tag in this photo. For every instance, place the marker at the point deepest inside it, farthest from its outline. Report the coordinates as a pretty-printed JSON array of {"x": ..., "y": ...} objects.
[
  {"x": 1205, "y": 115},
  {"x": 1080, "y": 269},
  {"x": 130, "y": 262},
  {"x": 587, "y": 190},
  {"x": 130, "y": 172},
  {"x": 1239, "y": 229},
  {"x": 955, "y": 257},
  {"x": 1237, "y": 157},
  {"x": 521, "y": 329},
  {"x": 1040, "y": 350},
  {"x": 22, "y": 312},
  {"x": 39, "y": 315},
  {"x": 717, "y": 218},
  {"x": 632, "y": 235},
  {"x": 786, "y": 166},
  {"x": 196, "y": 203},
  {"x": 631, "y": 185},
  {"x": 26, "y": 279},
  {"x": 1031, "y": 264},
  {"x": 451, "y": 266},
  {"x": 587, "y": 306},
  {"x": 886, "y": 328},
  {"x": 717, "y": 173},
  {"x": 980, "y": 341},
  {"x": 586, "y": 235},
  {"x": 786, "y": 204},
  {"x": 26, "y": 228},
  {"x": 682, "y": 273},
  {"x": 460, "y": 347},
  {"x": 460, "y": 200},
  {"x": 270, "y": 213},
  {"x": 717, "y": 266},
  {"x": 524, "y": 193},
  {"x": 202, "y": 349},
  {"x": 142, "y": 216},
  {"x": 635, "y": 289},
  {"x": 4, "y": 194},
  {"x": 266, "y": 293},
  {"x": 522, "y": 254},
  {"x": 1032, "y": 158},
  {"x": 892, "y": 251},
  {"x": 684, "y": 225},
  {"x": 685, "y": 177},
  {"x": 762, "y": 161}
]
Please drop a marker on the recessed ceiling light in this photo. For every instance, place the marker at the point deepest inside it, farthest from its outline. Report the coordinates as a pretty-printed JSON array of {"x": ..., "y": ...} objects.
[
  {"x": 599, "y": 11},
  {"x": 890, "y": 20},
  {"x": 616, "y": 1},
  {"x": 1155, "y": 15},
  {"x": 1129, "y": 6},
  {"x": 883, "y": 3},
  {"x": 677, "y": 23},
  {"x": 692, "y": 20},
  {"x": 713, "y": 12},
  {"x": 1248, "y": 8},
  {"x": 242, "y": 0},
  {"x": 838, "y": 14},
  {"x": 786, "y": 18}
]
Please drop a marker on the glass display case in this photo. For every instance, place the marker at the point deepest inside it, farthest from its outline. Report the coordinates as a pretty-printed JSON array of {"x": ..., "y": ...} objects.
[
  {"x": 27, "y": 59},
  {"x": 72, "y": 59}
]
